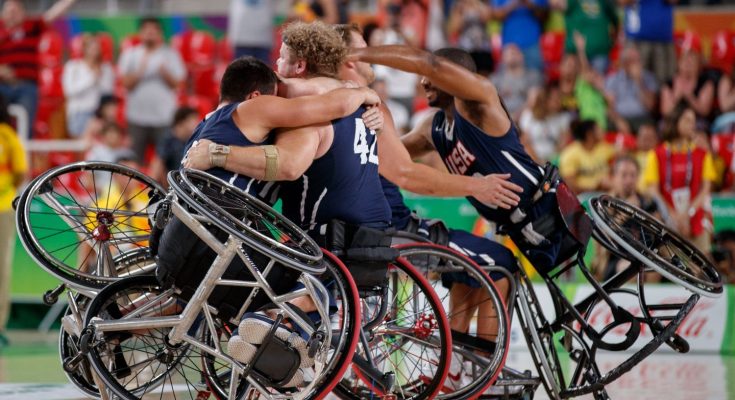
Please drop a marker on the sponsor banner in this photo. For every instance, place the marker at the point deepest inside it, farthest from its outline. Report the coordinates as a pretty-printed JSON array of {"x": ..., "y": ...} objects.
[{"x": 704, "y": 328}]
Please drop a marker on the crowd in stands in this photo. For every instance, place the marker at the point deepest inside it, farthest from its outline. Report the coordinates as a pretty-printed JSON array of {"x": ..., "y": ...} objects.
[{"x": 617, "y": 94}]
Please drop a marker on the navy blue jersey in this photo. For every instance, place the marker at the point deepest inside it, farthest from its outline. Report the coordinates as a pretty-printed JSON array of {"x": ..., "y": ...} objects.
[
  {"x": 467, "y": 150},
  {"x": 342, "y": 184},
  {"x": 400, "y": 212},
  {"x": 221, "y": 128}
]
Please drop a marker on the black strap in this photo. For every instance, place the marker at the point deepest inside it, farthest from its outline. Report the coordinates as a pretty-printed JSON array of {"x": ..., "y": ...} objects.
[{"x": 473, "y": 342}]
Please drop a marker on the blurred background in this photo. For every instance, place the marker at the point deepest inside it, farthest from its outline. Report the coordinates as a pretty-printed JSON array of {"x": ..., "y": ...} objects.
[{"x": 635, "y": 98}]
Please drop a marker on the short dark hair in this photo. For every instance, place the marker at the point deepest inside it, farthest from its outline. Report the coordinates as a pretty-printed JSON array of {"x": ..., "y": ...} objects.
[
  {"x": 150, "y": 20},
  {"x": 458, "y": 56},
  {"x": 184, "y": 113},
  {"x": 580, "y": 128},
  {"x": 623, "y": 158},
  {"x": 104, "y": 102},
  {"x": 244, "y": 76}
]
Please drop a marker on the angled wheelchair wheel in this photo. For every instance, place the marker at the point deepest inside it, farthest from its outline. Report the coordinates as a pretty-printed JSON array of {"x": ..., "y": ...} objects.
[
  {"x": 345, "y": 322},
  {"x": 406, "y": 353},
  {"x": 140, "y": 363},
  {"x": 477, "y": 315},
  {"x": 656, "y": 245},
  {"x": 76, "y": 220},
  {"x": 247, "y": 218},
  {"x": 540, "y": 338}
]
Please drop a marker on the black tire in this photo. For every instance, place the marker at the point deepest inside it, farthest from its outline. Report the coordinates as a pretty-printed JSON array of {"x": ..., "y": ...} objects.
[
  {"x": 255, "y": 223},
  {"x": 656, "y": 245},
  {"x": 337, "y": 279},
  {"x": 485, "y": 366},
  {"x": 74, "y": 218},
  {"x": 399, "y": 335},
  {"x": 138, "y": 363}
]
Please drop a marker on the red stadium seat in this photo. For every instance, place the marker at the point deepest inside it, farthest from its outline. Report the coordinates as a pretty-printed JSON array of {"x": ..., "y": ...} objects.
[
  {"x": 51, "y": 49},
  {"x": 203, "y": 81},
  {"x": 202, "y": 48},
  {"x": 128, "y": 42},
  {"x": 552, "y": 51},
  {"x": 687, "y": 41},
  {"x": 181, "y": 43},
  {"x": 106, "y": 43},
  {"x": 226, "y": 53},
  {"x": 49, "y": 83},
  {"x": 723, "y": 51},
  {"x": 621, "y": 141},
  {"x": 496, "y": 45},
  {"x": 204, "y": 105}
]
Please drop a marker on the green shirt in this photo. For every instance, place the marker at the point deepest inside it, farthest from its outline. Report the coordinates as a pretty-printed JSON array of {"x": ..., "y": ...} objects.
[
  {"x": 591, "y": 103},
  {"x": 593, "y": 19}
]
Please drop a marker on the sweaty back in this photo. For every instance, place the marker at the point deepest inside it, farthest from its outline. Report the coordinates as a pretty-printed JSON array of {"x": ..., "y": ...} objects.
[
  {"x": 220, "y": 128},
  {"x": 467, "y": 150},
  {"x": 342, "y": 184}
]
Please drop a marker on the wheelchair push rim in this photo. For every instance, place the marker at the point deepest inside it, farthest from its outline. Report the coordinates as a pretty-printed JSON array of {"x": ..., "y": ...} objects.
[
  {"x": 76, "y": 219},
  {"x": 656, "y": 245},
  {"x": 261, "y": 227}
]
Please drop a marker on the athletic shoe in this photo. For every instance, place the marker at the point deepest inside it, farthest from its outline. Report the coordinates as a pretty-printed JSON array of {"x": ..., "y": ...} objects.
[{"x": 254, "y": 327}]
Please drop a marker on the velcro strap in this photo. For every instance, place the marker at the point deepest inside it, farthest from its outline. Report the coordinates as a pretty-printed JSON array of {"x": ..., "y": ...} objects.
[{"x": 271, "y": 162}]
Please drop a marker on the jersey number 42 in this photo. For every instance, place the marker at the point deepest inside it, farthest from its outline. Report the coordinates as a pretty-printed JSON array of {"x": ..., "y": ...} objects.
[{"x": 367, "y": 153}]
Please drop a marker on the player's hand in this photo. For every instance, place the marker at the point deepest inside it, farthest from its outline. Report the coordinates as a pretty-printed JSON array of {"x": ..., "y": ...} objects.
[
  {"x": 198, "y": 156},
  {"x": 497, "y": 190},
  {"x": 373, "y": 119},
  {"x": 371, "y": 97}
]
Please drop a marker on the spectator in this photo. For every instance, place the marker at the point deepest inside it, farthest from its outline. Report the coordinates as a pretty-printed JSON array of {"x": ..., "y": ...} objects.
[
  {"x": 681, "y": 174},
  {"x": 13, "y": 160},
  {"x": 170, "y": 150},
  {"x": 151, "y": 71},
  {"x": 514, "y": 81},
  {"x": 626, "y": 174},
  {"x": 650, "y": 25},
  {"x": 584, "y": 164},
  {"x": 398, "y": 111},
  {"x": 328, "y": 11},
  {"x": 632, "y": 90},
  {"x": 19, "y": 39},
  {"x": 589, "y": 89},
  {"x": 725, "y": 123},
  {"x": 468, "y": 24},
  {"x": 250, "y": 28},
  {"x": 107, "y": 112},
  {"x": 85, "y": 81},
  {"x": 110, "y": 145},
  {"x": 647, "y": 139},
  {"x": 597, "y": 21},
  {"x": 401, "y": 85},
  {"x": 568, "y": 75},
  {"x": 690, "y": 85},
  {"x": 522, "y": 26},
  {"x": 544, "y": 124}
]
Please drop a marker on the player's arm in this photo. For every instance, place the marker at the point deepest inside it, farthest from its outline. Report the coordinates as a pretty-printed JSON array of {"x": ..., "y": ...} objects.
[
  {"x": 295, "y": 148},
  {"x": 297, "y": 87},
  {"x": 418, "y": 141},
  {"x": 422, "y": 179},
  {"x": 270, "y": 112},
  {"x": 444, "y": 74}
]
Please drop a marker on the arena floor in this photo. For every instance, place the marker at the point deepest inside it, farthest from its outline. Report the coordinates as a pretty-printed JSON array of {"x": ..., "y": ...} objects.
[{"x": 30, "y": 369}]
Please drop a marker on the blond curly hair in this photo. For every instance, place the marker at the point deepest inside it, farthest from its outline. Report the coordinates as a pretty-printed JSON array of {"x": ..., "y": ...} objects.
[{"x": 318, "y": 44}]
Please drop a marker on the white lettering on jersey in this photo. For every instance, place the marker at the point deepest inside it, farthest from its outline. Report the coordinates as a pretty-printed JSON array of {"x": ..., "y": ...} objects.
[{"x": 460, "y": 159}]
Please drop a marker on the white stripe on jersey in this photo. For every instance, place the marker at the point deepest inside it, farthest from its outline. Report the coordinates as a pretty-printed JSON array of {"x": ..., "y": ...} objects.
[
  {"x": 519, "y": 167},
  {"x": 303, "y": 197},
  {"x": 312, "y": 224},
  {"x": 232, "y": 181}
]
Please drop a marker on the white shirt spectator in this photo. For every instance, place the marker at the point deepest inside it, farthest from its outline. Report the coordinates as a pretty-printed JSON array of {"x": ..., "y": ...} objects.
[
  {"x": 251, "y": 23},
  {"x": 544, "y": 133},
  {"x": 83, "y": 88},
  {"x": 151, "y": 102}
]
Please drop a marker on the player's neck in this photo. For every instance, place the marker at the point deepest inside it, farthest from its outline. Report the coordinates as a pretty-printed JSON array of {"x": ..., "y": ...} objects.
[{"x": 449, "y": 112}]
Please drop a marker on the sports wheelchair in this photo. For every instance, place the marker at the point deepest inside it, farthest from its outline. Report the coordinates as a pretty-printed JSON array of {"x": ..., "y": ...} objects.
[
  {"x": 145, "y": 339},
  {"x": 630, "y": 234}
]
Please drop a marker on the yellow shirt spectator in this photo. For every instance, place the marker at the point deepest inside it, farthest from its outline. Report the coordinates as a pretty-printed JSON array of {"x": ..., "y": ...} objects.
[
  {"x": 586, "y": 170},
  {"x": 12, "y": 164},
  {"x": 651, "y": 172}
]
